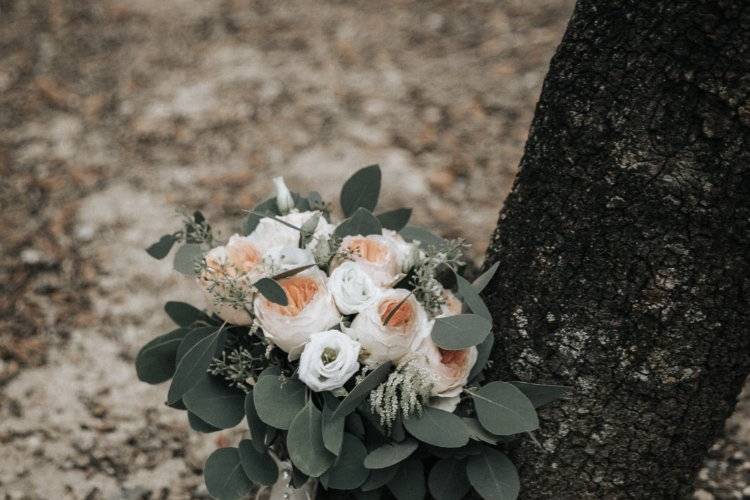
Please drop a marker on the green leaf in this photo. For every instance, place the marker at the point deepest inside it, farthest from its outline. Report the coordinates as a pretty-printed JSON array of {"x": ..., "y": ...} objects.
[
  {"x": 361, "y": 390},
  {"x": 438, "y": 428},
  {"x": 258, "y": 428},
  {"x": 348, "y": 473},
  {"x": 502, "y": 409},
  {"x": 192, "y": 366},
  {"x": 484, "y": 350},
  {"x": 362, "y": 223},
  {"x": 292, "y": 272},
  {"x": 187, "y": 258},
  {"x": 333, "y": 431},
  {"x": 199, "y": 425},
  {"x": 379, "y": 478},
  {"x": 425, "y": 238},
  {"x": 539, "y": 394},
  {"x": 161, "y": 248},
  {"x": 481, "y": 282},
  {"x": 361, "y": 190},
  {"x": 278, "y": 400},
  {"x": 460, "y": 331},
  {"x": 155, "y": 362},
  {"x": 272, "y": 291},
  {"x": 493, "y": 475},
  {"x": 259, "y": 467},
  {"x": 193, "y": 337},
  {"x": 310, "y": 224},
  {"x": 305, "y": 442},
  {"x": 447, "y": 480},
  {"x": 408, "y": 483},
  {"x": 395, "y": 220},
  {"x": 390, "y": 454},
  {"x": 471, "y": 298},
  {"x": 267, "y": 207},
  {"x": 184, "y": 314},
  {"x": 224, "y": 476},
  {"x": 316, "y": 201},
  {"x": 215, "y": 403},
  {"x": 479, "y": 433}
]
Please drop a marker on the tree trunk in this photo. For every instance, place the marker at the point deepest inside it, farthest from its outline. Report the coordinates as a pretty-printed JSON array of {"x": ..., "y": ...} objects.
[{"x": 624, "y": 248}]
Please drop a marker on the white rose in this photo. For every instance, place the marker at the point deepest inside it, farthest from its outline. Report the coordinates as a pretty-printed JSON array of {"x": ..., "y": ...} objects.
[
  {"x": 284, "y": 199},
  {"x": 405, "y": 329},
  {"x": 280, "y": 259},
  {"x": 271, "y": 233},
  {"x": 239, "y": 262},
  {"x": 328, "y": 360},
  {"x": 310, "y": 309},
  {"x": 352, "y": 288},
  {"x": 448, "y": 369},
  {"x": 382, "y": 257}
]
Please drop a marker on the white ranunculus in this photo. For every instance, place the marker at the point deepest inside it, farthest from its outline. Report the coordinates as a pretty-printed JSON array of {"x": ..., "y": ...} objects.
[
  {"x": 271, "y": 233},
  {"x": 328, "y": 360},
  {"x": 448, "y": 369},
  {"x": 352, "y": 288},
  {"x": 404, "y": 331},
  {"x": 382, "y": 257},
  {"x": 280, "y": 259},
  {"x": 310, "y": 309},
  {"x": 284, "y": 199}
]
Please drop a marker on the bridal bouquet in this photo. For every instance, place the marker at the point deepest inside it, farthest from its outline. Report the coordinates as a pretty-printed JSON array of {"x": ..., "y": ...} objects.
[{"x": 353, "y": 348}]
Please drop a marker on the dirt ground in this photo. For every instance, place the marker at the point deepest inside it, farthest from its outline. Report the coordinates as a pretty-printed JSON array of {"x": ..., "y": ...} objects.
[{"x": 115, "y": 115}]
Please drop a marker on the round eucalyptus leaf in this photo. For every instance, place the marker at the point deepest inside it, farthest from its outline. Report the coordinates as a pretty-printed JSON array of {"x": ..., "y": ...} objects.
[
  {"x": 305, "y": 442},
  {"x": 362, "y": 390},
  {"x": 379, "y": 478},
  {"x": 493, "y": 475},
  {"x": 215, "y": 403},
  {"x": 156, "y": 361},
  {"x": 347, "y": 472},
  {"x": 390, "y": 454},
  {"x": 395, "y": 220},
  {"x": 192, "y": 366},
  {"x": 438, "y": 428},
  {"x": 408, "y": 483},
  {"x": 540, "y": 394},
  {"x": 447, "y": 480},
  {"x": 362, "y": 189},
  {"x": 485, "y": 277},
  {"x": 183, "y": 314},
  {"x": 278, "y": 400},
  {"x": 471, "y": 298},
  {"x": 333, "y": 431},
  {"x": 161, "y": 248},
  {"x": 225, "y": 479},
  {"x": 272, "y": 291},
  {"x": 187, "y": 258},
  {"x": 460, "y": 331},
  {"x": 258, "y": 428},
  {"x": 503, "y": 409},
  {"x": 363, "y": 223},
  {"x": 199, "y": 425},
  {"x": 259, "y": 467}
]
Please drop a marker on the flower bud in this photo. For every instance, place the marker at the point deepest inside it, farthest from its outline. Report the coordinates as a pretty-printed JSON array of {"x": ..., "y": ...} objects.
[{"x": 284, "y": 199}]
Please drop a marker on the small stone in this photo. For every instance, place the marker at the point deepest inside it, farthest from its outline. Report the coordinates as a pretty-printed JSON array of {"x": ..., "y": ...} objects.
[
  {"x": 702, "y": 495},
  {"x": 746, "y": 492}
]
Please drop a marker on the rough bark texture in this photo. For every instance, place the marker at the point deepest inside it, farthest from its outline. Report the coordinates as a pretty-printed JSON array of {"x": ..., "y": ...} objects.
[{"x": 625, "y": 248}]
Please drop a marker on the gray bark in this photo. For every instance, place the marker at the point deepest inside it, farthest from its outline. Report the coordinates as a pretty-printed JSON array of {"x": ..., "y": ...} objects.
[{"x": 624, "y": 248}]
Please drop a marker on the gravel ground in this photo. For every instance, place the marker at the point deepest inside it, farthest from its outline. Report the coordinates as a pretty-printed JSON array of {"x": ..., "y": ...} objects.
[{"x": 116, "y": 115}]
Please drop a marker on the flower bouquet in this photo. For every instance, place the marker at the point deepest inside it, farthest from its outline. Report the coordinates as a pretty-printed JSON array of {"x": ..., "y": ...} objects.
[{"x": 354, "y": 350}]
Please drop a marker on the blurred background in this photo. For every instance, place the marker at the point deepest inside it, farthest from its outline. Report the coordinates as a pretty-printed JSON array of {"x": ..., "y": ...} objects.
[{"x": 116, "y": 115}]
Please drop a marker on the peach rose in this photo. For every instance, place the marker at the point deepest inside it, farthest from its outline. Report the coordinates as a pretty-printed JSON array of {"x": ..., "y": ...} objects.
[
  {"x": 382, "y": 257},
  {"x": 389, "y": 341},
  {"x": 311, "y": 309},
  {"x": 449, "y": 370}
]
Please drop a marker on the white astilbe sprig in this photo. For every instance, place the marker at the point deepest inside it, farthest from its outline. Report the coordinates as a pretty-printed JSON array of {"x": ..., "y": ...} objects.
[{"x": 403, "y": 394}]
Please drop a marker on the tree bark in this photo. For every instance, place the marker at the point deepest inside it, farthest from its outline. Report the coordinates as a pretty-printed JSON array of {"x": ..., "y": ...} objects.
[{"x": 624, "y": 248}]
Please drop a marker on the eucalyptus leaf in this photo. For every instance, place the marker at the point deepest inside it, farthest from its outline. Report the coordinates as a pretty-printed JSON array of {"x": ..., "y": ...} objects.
[
  {"x": 479, "y": 433},
  {"x": 347, "y": 472},
  {"x": 292, "y": 272},
  {"x": 503, "y": 409},
  {"x": 333, "y": 431},
  {"x": 379, "y": 478},
  {"x": 215, "y": 403},
  {"x": 481, "y": 282},
  {"x": 194, "y": 364},
  {"x": 409, "y": 483},
  {"x": 161, "y": 248},
  {"x": 272, "y": 291},
  {"x": 187, "y": 258},
  {"x": 390, "y": 454},
  {"x": 361, "y": 223},
  {"x": 395, "y": 220},
  {"x": 184, "y": 314},
  {"x": 361, "y": 390},
  {"x": 425, "y": 238},
  {"x": 258, "y": 429},
  {"x": 305, "y": 442},
  {"x": 484, "y": 349},
  {"x": 447, "y": 480},
  {"x": 540, "y": 394},
  {"x": 224, "y": 476},
  {"x": 361, "y": 190},
  {"x": 460, "y": 331},
  {"x": 199, "y": 425},
  {"x": 156, "y": 361},
  {"x": 193, "y": 337},
  {"x": 259, "y": 467},
  {"x": 493, "y": 475},
  {"x": 268, "y": 207},
  {"x": 438, "y": 428},
  {"x": 278, "y": 400},
  {"x": 471, "y": 298}
]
